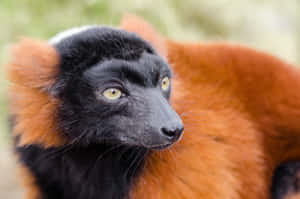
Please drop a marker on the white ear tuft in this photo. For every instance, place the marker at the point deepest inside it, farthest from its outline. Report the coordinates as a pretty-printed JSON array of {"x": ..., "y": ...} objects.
[{"x": 68, "y": 33}]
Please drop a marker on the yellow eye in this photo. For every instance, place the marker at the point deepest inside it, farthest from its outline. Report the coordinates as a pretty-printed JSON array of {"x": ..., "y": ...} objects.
[
  {"x": 112, "y": 93},
  {"x": 165, "y": 84}
]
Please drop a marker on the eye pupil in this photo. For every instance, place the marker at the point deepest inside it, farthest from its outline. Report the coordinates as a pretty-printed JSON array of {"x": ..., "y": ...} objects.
[{"x": 165, "y": 83}]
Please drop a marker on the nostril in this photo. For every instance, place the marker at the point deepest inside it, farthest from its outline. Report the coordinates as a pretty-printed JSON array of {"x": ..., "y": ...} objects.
[
  {"x": 172, "y": 133},
  {"x": 168, "y": 132}
]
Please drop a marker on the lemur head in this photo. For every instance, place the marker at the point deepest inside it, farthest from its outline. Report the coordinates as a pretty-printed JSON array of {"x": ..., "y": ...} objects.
[
  {"x": 111, "y": 86},
  {"x": 114, "y": 87}
]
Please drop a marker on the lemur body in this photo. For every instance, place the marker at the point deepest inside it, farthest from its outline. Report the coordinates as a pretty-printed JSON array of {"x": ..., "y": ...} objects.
[
  {"x": 244, "y": 104},
  {"x": 239, "y": 111},
  {"x": 96, "y": 110}
]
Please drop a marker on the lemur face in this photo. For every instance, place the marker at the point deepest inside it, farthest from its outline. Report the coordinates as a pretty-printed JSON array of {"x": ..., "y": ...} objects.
[{"x": 114, "y": 88}]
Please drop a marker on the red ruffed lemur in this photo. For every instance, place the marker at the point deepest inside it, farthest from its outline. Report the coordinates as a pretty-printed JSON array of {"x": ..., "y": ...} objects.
[{"x": 91, "y": 117}]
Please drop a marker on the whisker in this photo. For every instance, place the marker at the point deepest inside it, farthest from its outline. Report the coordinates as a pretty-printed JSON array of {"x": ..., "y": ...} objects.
[
  {"x": 102, "y": 155},
  {"x": 132, "y": 162},
  {"x": 139, "y": 162},
  {"x": 59, "y": 151}
]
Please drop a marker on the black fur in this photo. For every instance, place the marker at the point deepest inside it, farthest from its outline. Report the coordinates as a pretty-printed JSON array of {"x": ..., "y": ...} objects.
[
  {"x": 95, "y": 45},
  {"x": 109, "y": 140},
  {"x": 285, "y": 180},
  {"x": 98, "y": 171}
]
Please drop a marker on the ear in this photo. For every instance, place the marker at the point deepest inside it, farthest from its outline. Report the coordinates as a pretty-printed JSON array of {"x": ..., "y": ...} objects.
[
  {"x": 145, "y": 30},
  {"x": 32, "y": 71}
]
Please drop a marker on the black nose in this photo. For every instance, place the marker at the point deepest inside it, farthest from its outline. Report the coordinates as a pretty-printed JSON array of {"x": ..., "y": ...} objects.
[{"x": 172, "y": 133}]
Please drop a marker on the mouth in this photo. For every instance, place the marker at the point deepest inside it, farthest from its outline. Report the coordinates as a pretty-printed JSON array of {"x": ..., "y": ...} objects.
[
  {"x": 160, "y": 146},
  {"x": 135, "y": 142},
  {"x": 152, "y": 145}
]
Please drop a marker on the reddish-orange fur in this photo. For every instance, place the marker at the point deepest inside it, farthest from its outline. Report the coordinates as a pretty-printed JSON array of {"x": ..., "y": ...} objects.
[
  {"x": 292, "y": 196},
  {"x": 149, "y": 34},
  {"x": 31, "y": 71},
  {"x": 28, "y": 181},
  {"x": 240, "y": 109},
  {"x": 242, "y": 118}
]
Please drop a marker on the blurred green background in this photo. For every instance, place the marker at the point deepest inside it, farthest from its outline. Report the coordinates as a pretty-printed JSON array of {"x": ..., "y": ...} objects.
[{"x": 273, "y": 26}]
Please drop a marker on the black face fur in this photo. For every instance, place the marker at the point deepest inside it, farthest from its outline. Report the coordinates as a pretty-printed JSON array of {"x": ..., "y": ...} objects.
[
  {"x": 109, "y": 139},
  {"x": 101, "y": 58}
]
